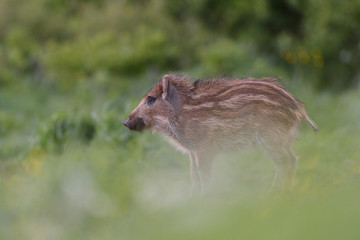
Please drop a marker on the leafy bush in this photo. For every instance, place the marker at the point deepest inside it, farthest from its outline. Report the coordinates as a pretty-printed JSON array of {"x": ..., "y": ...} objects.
[{"x": 62, "y": 128}]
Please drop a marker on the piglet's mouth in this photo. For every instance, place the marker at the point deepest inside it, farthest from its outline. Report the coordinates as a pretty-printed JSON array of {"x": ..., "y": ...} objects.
[{"x": 135, "y": 125}]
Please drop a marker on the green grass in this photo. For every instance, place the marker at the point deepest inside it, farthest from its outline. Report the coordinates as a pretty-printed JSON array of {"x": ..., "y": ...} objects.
[{"x": 124, "y": 185}]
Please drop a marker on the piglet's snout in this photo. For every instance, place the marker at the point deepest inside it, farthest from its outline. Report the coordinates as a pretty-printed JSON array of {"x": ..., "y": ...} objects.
[
  {"x": 137, "y": 124},
  {"x": 126, "y": 123}
]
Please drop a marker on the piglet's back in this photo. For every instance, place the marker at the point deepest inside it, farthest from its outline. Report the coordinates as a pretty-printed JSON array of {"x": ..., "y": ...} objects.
[{"x": 232, "y": 98}]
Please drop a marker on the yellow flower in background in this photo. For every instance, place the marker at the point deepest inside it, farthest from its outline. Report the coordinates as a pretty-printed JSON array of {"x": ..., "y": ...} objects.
[
  {"x": 318, "y": 61},
  {"x": 317, "y": 57},
  {"x": 33, "y": 163},
  {"x": 291, "y": 57},
  {"x": 304, "y": 57}
]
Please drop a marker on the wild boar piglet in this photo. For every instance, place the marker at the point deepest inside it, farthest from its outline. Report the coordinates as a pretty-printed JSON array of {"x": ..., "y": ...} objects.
[{"x": 204, "y": 117}]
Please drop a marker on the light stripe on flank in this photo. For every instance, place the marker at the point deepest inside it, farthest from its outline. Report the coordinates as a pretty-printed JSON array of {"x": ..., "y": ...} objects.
[
  {"x": 277, "y": 86},
  {"x": 269, "y": 90},
  {"x": 199, "y": 106},
  {"x": 249, "y": 86},
  {"x": 242, "y": 95},
  {"x": 243, "y": 98}
]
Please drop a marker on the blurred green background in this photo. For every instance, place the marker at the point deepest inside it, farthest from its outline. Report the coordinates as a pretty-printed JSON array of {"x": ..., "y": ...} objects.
[{"x": 70, "y": 71}]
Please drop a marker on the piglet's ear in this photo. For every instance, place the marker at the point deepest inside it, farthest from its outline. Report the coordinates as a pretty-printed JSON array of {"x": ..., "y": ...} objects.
[
  {"x": 165, "y": 82},
  {"x": 169, "y": 92}
]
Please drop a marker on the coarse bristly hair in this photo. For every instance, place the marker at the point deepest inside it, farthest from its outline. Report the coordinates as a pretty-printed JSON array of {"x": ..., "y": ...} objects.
[{"x": 205, "y": 116}]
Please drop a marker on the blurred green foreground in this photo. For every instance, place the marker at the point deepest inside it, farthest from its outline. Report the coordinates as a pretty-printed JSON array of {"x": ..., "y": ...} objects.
[{"x": 70, "y": 71}]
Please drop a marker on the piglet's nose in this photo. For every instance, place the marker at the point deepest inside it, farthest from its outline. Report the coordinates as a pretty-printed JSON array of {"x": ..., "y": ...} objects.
[{"x": 126, "y": 123}]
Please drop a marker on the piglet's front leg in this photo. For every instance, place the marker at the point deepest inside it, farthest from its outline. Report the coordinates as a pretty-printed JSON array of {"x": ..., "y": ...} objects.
[{"x": 200, "y": 170}]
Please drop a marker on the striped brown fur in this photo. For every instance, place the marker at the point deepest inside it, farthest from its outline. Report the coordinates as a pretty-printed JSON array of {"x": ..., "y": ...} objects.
[{"x": 206, "y": 116}]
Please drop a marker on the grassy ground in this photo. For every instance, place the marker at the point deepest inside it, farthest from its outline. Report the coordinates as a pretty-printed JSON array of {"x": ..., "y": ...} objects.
[{"x": 57, "y": 184}]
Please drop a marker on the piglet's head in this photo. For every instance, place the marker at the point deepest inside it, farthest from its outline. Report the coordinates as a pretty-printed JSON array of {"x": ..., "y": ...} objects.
[{"x": 158, "y": 105}]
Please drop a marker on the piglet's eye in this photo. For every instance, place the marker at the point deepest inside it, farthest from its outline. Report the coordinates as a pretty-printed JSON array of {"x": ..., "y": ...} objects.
[{"x": 150, "y": 100}]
